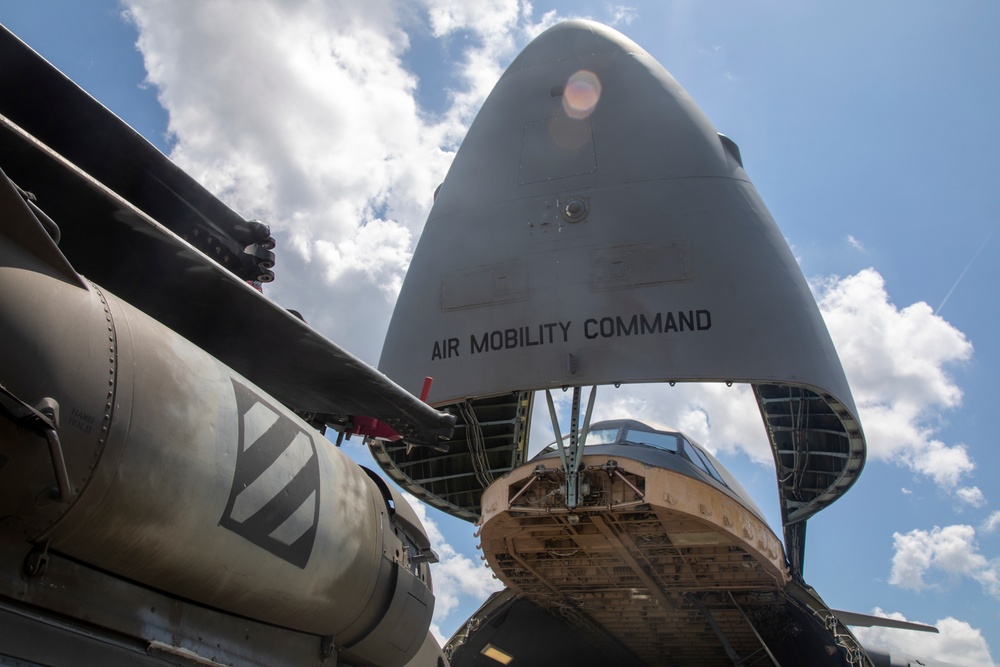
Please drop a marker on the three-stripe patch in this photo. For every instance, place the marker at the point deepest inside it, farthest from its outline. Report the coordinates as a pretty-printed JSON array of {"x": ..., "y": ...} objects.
[{"x": 274, "y": 501}]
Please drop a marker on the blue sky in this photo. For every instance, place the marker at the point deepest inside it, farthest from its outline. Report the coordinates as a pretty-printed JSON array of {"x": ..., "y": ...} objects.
[{"x": 868, "y": 128}]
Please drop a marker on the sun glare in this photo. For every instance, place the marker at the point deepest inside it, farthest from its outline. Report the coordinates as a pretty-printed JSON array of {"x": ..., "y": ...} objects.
[{"x": 582, "y": 92}]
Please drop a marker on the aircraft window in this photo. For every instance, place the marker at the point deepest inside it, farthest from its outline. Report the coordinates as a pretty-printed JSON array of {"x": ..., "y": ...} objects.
[
  {"x": 699, "y": 459},
  {"x": 604, "y": 436},
  {"x": 667, "y": 441}
]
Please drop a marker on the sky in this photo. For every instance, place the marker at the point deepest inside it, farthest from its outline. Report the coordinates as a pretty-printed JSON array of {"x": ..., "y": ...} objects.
[{"x": 869, "y": 129}]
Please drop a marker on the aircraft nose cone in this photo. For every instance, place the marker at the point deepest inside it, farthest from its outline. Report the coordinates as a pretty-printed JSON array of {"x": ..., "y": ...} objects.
[
  {"x": 585, "y": 151},
  {"x": 584, "y": 106},
  {"x": 573, "y": 40},
  {"x": 594, "y": 228}
]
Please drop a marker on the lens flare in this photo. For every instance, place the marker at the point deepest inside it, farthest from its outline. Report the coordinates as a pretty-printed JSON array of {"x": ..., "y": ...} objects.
[{"x": 582, "y": 92}]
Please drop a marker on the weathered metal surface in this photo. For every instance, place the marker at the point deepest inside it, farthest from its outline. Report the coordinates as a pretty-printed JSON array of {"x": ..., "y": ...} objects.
[
  {"x": 641, "y": 540},
  {"x": 186, "y": 477}
]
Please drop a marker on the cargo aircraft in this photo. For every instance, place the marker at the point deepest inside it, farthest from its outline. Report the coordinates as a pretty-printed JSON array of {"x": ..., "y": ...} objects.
[
  {"x": 595, "y": 229},
  {"x": 167, "y": 496}
]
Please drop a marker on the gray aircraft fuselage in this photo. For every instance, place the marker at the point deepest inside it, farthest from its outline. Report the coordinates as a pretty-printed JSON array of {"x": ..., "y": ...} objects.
[{"x": 595, "y": 229}]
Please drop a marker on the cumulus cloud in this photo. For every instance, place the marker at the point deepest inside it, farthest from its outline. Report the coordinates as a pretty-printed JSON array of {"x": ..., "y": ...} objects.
[
  {"x": 499, "y": 28},
  {"x": 957, "y": 641},
  {"x": 304, "y": 114},
  {"x": 719, "y": 417},
  {"x": 735, "y": 428},
  {"x": 971, "y": 495},
  {"x": 951, "y": 551},
  {"x": 897, "y": 361},
  {"x": 455, "y": 576},
  {"x": 623, "y": 14}
]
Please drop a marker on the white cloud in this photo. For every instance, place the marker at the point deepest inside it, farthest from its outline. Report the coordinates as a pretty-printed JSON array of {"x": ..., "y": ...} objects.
[
  {"x": 883, "y": 347},
  {"x": 971, "y": 495},
  {"x": 304, "y": 114},
  {"x": 958, "y": 642},
  {"x": 896, "y": 361},
  {"x": 854, "y": 242},
  {"x": 377, "y": 251},
  {"x": 455, "y": 576},
  {"x": 685, "y": 407},
  {"x": 951, "y": 551},
  {"x": 499, "y": 27},
  {"x": 622, "y": 14},
  {"x": 719, "y": 417},
  {"x": 991, "y": 523}
]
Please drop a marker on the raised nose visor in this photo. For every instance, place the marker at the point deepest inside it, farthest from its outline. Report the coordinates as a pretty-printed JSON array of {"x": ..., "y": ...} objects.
[{"x": 596, "y": 229}]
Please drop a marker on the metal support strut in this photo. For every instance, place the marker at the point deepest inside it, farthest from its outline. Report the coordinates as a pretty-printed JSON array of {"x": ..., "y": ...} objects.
[
  {"x": 43, "y": 421},
  {"x": 571, "y": 453},
  {"x": 730, "y": 652}
]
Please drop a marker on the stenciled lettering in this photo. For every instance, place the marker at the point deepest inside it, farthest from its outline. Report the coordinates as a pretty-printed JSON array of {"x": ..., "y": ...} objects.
[
  {"x": 552, "y": 333},
  {"x": 641, "y": 324},
  {"x": 445, "y": 349},
  {"x": 516, "y": 337}
]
